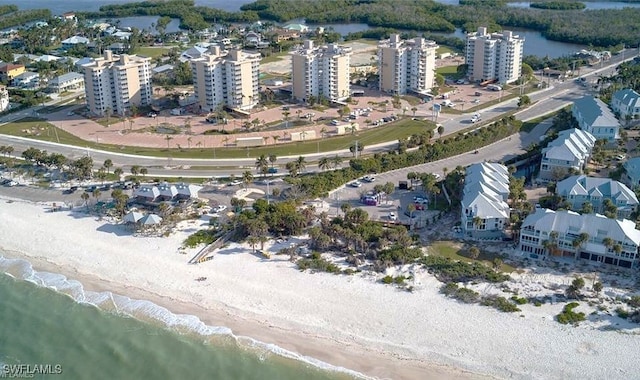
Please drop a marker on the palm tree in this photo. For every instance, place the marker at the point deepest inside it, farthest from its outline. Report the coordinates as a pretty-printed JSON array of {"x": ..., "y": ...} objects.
[
  {"x": 135, "y": 170},
  {"x": 323, "y": 131},
  {"x": 247, "y": 177},
  {"x": 118, "y": 172},
  {"x": 272, "y": 159},
  {"x": 301, "y": 164},
  {"x": 579, "y": 241},
  {"x": 225, "y": 140},
  {"x": 144, "y": 171},
  {"x": 477, "y": 222},
  {"x": 324, "y": 163},
  {"x": 285, "y": 116},
  {"x": 96, "y": 194},
  {"x": 168, "y": 138},
  {"x": 292, "y": 168},
  {"x": 262, "y": 166},
  {"x": 85, "y": 198},
  {"x": 336, "y": 161},
  {"x": 275, "y": 139},
  {"x": 108, "y": 164},
  {"x": 414, "y": 109},
  {"x": 440, "y": 130},
  {"x": 252, "y": 240},
  {"x": 189, "y": 139}
]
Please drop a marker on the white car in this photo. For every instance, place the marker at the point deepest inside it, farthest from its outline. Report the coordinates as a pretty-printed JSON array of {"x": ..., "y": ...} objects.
[
  {"x": 355, "y": 184},
  {"x": 369, "y": 178},
  {"x": 235, "y": 183},
  {"x": 393, "y": 216},
  {"x": 219, "y": 208},
  {"x": 436, "y": 176}
]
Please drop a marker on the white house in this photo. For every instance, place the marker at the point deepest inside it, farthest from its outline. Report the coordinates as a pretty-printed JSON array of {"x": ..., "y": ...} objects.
[
  {"x": 580, "y": 189},
  {"x": 67, "y": 82},
  {"x": 73, "y": 41},
  {"x": 594, "y": 116},
  {"x": 569, "y": 152},
  {"x": 485, "y": 212},
  {"x": 28, "y": 79},
  {"x": 593, "y": 237},
  {"x": 626, "y": 103}
]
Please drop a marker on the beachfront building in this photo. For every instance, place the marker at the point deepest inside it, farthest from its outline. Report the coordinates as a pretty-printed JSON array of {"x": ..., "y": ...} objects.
[
  {"x": 495, "y": 57},
  {"x": 626, "y": 103},
  {"x": 580, "y": 189},
  {"x": 568, "y": 153},
  {"x": 115, "y": 83},
  {"x": 485, "y": 212},
  {"x": 226, "y": 78},
  {"x": 166, "y": 192},
  {"x": 406, "y": 66},
  {"x": 591, "y": 236},
  {"x": 320, "y": 72},
  {"x": 67, "y": 82},
  {"x": 74, "y": 41},
  {"x": 594, "y": 116}
]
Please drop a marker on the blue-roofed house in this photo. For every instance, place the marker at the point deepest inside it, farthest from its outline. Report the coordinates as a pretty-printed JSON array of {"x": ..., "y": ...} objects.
[
  {"x": 568, "y": 153},
  {"x": 632, "y": 172},
  {"x": 67, "y": 82},
  {"x": 594, "y": 116},
  {"x": 580, "y": 189},
  {"x": 626, "y": 103}
]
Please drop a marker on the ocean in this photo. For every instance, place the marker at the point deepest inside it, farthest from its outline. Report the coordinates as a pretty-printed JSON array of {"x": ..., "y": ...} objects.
[{"x": 52, "y": 328}]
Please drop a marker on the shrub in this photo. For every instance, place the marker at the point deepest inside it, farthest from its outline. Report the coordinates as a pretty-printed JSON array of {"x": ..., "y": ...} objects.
[
  {"x": 537, "y": 303},
  {"x": 200, "y": 237},
  {"x": 519, "y": 300},
  {"x": 634, "y": 301},
  {"x": 317, "y": 263},
  {"x": 568, "y": 316},
  {"x": 500, "y": 303},
  {"x": 387, "y": 280},
  {"x": 622, "y": 313},
  {"x": 465, "y": 295},
  {"x": 447, "y": 270}
]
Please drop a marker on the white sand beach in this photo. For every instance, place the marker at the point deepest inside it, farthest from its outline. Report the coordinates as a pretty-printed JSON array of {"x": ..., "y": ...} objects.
[{"x": 347, "y": 321}]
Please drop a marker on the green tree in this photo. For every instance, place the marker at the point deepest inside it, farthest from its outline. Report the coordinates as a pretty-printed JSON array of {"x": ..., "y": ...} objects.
[
  {"x": 247, "y": 177},
  {"x": 108, "y": 164},
  {"x": 440, "y": 130},
  {"x": 474, "y": 252},
  {"x": 524, "y": 101}
]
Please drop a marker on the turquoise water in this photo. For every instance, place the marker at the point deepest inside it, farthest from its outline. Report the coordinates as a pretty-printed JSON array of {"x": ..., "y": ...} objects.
[{"x": 42, "y": 326}]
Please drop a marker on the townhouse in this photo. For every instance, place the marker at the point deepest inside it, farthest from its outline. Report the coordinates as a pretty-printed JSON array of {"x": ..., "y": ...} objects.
[
  {"x": 568, "y": 153},
  {"x": 485, "y": 212},
  {"x": 580, "y": 189},
  {"x": 594, "y": 116},
  {"x": 626, "y": 103},
  {"x": 592, "y": 237}
]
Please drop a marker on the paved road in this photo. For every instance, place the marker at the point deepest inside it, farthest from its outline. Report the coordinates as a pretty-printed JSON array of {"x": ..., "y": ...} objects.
[{"x": 558, "y": 95}]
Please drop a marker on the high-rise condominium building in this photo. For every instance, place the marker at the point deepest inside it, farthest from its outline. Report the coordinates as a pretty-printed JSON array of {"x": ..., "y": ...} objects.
[
  {"x": 114, "y": 83},
  {"x": 226, "y": 78},
  {"x": 321, "y": 72},
  {"x": 406, "y": 66},
  {"x": 494, "y": 56}
]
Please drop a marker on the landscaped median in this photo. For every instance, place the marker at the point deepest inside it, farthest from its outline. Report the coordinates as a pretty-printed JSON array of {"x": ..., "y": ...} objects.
[{"x": 39, "y": 129}]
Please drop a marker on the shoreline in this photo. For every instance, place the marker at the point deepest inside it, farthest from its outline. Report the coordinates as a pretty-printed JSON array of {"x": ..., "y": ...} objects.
[{"x": 289, "y": 335}]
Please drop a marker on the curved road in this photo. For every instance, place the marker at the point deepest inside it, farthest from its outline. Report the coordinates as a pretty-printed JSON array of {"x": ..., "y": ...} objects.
[{"x": 558, "y": 95}]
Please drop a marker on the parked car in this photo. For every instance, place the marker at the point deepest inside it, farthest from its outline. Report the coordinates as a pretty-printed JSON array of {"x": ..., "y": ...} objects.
[
  {"x": 235, "y": 183},
  {"x": 419, "y": 206},
  {"x": 272, "y": 170},
  {"x": 369, "y": 178},
  {"x": 393, "y": 216},
  {"x": 152, "y": 114},
  {"x": 355, "y": 184},
  {"x": 335, "y": 122},
  {"x": 218, "y": 208}
]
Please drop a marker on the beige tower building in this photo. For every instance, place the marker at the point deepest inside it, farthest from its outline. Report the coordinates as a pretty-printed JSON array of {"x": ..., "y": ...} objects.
[
  {"x": 494, "y": 56},
  {"x": 321, "y": 72},
  {"x": 115, "y": 83},
  {"x": 228, "y": 78},
  {"x": 406, "y": 66}
]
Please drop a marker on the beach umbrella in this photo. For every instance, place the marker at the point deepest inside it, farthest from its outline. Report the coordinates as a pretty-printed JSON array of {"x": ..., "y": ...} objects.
[
  {"x": 150, "y": 219},
  {"x": 133, "y": 217}
]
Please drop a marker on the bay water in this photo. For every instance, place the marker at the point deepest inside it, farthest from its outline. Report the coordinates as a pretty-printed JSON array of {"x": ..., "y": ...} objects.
[{"x": 46, "y": 319}]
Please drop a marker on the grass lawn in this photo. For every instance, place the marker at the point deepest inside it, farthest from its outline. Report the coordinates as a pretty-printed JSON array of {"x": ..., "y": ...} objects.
[
  {"x": 152, "y": 51},
  {"x": 445, "y": 49},
  {"x": 41, "y": 130},
  {"x": 455, "y": 251},
  {"x": 449, "y": 71},
  {"x": 273, "y": 58}
]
